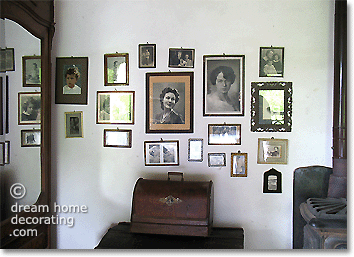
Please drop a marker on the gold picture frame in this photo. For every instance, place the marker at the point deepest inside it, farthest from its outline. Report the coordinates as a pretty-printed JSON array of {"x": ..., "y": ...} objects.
[
  {"x": 239, "y": 164},
  {"x": 272, "y": 151},
  {"x": 74, "y": 124}
]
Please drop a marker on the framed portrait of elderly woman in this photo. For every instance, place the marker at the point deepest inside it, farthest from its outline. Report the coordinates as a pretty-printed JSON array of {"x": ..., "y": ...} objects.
[
  {"x": 161, "y": 153},
  {"x": 224, "y": 85},
  {"x": 29, "y": 108},
  {"x": 31, "y": 71},
  {"x": 271, "y": 62},
  {"x": 116, "y": 69},
  {"x": 169, "y": 102},
  {"x": 239, "y": 164}
]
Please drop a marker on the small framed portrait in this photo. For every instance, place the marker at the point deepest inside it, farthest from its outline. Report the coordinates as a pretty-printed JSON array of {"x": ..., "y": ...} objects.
[
  {"x": 195, "y": 149},
  {"x": 31, "y": 71},
  {"x": 31, "y": 138},
  {"x": 115, "y": 107},
  {"x": 216, "y": 159},
  {"x": 169, "y": 102},
  {"x": 271, "y": 62},
  {"x": 161, "y": 153},
  {"x": 147, "y": 55},
  {"x": 71, "y": 80},
  {"x": 224, "y": 134},
  {"x": 181, "y": 58},
  {"x": 116, "y": 69},
  {"x": 29, "y": 108},
  {"x": 7, "y": 59},
  {"x": 272, "y": 181},
  {"x": 224, "y": 85},
  {"x": 7, "y": 152},
  {"x": 272, "y": 151},
  {"x": 239, "y": 164},
  {"x": 121, "y": 138},
  {"x": 74, "y": 124}
]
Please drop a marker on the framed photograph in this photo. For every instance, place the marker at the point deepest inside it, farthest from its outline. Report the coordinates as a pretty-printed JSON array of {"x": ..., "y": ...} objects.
[
  {"x": 29, "y": 108},
  {"x": 195, "y": 149},
  {"x": 147, "y": 55},
  {"x": 271, "y": 62},
  {"x": 272, "y": 151},
  {"x": 116, "y": 69},
  {"x": 1, "y": 107},
  {"x": 224, "y": 85},
  {"x": 7, "y": 152},
  {"x": 31, "y": 138},
  {"x": 271, "y": 106},
  {"x": 181, "y": 58},
  {"x": 161, "y": 153},
  {"x": 31, "y": 71},
  {"x": 272, "y": 181},
  {"x": 2, "y": 153},
  {"x": 216, "y": 159},
  {"x": 7, "y": 59},
  {"x": 121, "y": 138},
  {"x": 74, "y": 124},
  {"x": 115, "y": 107},
  {"x": 224, "y": 134},
  {"x": 169, "y": 102},
  {"x": 71, "y": 80},
  {"x": 7, "y": 126},
  {"x": 238, "y": 164}
]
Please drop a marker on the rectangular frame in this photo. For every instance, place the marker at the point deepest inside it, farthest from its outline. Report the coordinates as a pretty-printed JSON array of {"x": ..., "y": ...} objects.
[
  {"x": 7, "y": 152},
  {"x": 224, "y": 134},
  {"x": 31, "y": 71},
  {"x": 7, "y": 59},
  {"x": 29, "y": 108},
  {"x": 231, "y": 68},
  {"x": 169, "y": 150},
  {"x": 180, "y": 119},
  {"x": 269, "y": 66},
  {"x": 77, "y": 70},
  {"x": 147, "y": 55},
  {"x": 116, "y": 69},
  {"x": 120, "y": 138},
  {"x": 1, "y": 107},
  {"x": 272, "y": 151},
  {"x": 74, "y": 124},
  {"x": 216, "y": 159},
  {"x": 181, "y": 57},
  {"x": 2, "y": 153},
  {"x": 195, "y": 149},
  {"x": 31, "y": 138},
  {"x": 239, "y": 164},
  {"x": 115, "y": 107}
]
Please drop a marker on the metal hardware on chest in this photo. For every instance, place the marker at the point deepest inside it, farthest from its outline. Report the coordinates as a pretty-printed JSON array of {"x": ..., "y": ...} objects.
[{"x": 170, "y": 200}]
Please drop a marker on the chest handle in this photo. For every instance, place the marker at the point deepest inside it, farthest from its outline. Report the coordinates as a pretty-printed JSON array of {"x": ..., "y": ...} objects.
[{"x": 174, "y": 173}]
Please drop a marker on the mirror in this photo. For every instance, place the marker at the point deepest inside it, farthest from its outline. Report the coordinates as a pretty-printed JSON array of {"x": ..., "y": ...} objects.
[{"x": 271, "y": 106}]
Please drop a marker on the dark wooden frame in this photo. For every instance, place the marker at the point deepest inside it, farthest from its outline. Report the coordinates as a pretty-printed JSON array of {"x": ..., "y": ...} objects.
[
  {"x": 2, "y": 153},
  {"x": 223, "y": 155},
  {"x": 23, "y": 134},
  {"x": 183, "y": 82},
  {"x": 160, "y": 143},
  {"x": 184, "y": 51},
  {"x": 7, "y": 59},
  {"x": 262, "y": 54},
  {"x": 141, "y": 48},
  {"x": 256, "y": 122},
  {"x": 77, "y": 114},
  {"x": 25, "y": 60},
  {"x": 129, "y": 138},
  {"x": 20, "y": 96},
  {"x": 201, "y": 149},
  {"x": 1, "y": 107},
  {"x": 266, "y": 177},
  {"x": 233, "y": 163},
  {"x": 238, "y": 131},
  {"x": 106, "y": 75}
]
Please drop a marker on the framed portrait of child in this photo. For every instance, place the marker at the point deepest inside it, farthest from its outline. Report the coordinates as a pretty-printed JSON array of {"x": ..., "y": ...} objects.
[{"x": 71, "y": 80}]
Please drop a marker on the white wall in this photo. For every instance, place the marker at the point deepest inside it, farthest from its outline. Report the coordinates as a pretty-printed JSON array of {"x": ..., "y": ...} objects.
[{"x": 101, "y": 178}]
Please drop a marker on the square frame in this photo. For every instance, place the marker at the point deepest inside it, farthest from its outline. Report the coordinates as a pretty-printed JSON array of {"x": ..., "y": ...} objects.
[
  {"x": 31, "y": 71},
  {"x": 115, "y": 107},
  {"x": 74, "y": 124},
  {"x": 180, "y": 117},
  {"x": 239, "y": 164},
  {"x": 233, "y": 66},
  {"x": 147, "y": 55},
  {"x": 181, "y": 57},
  {"x": 276, "y": 66},
  {"x": 272, "y": 151},
  {"x": 31, "y": 138},
  {"x": 77, "y": 69},
  {"x": 195, "y": 149},
  {"x": 116, "y": 69},
  {"x": 120, "y": 138},
  {"x": 29, "y": 106},
  {"x": 169, "y": 150},
  {"x": 224, "y": 134},
  {"x": 216, "y": 159},
  {"x": 7, "y": 59}
]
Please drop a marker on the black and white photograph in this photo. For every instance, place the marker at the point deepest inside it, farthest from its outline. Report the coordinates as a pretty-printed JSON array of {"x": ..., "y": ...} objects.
[
  {"x": 272, "y": 181},
  {"x": 29, "y": 108},
  {"x": 116, "y": 69},
  {"x": 238, "y": 164},
  {"x": 272, "y": 151},
  {"x": 181, "y": 58},
  {"x": 224, "y": 83},
  {"x": 31, "y": 70},
  {"x": 147, "y": 55},
  {"x": 31, "y": 138},
  {"x": 7, "y": 59},
  {"x": 73, "y": 124},
  {"x": 224, "y": 134},
  {"x": 161, "y": 153},
  {"x": 216, "y": 159},
  {"x": 120, "y": 138},
  {"x": 271, "y": 62}
]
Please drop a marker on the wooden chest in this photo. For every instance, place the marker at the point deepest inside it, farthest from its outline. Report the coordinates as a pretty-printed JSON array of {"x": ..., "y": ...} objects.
[{"x": 172, "y": 207}]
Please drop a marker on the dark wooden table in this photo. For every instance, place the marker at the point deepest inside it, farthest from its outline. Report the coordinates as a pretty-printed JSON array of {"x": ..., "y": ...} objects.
[{"x": 119, "y": 237}]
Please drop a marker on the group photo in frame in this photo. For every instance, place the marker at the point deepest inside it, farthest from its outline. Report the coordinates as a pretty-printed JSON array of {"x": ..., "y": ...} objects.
[
  {"x": 31, "y": 71},
  {"x": 272, "y": 151},
  {"x": 71, "y": 80},
  {"x": 216, "y": 159},
  {"x": 74, "y": 124},
  {"x": 239, "y": 164},
  {"x": 147, "y": 55},
  {"x": 120, "y": 138},
  {"x": 161, "y": 153},
  {"x": 7, "y": 59},
  {"x": 31, "y": 138},
  {"x": 181, "y": 58},
  {"x": 115, "y": 107},
  {"x": 116, "y": 69},
  {"x": 195, "y": 149},
  {"x": 224, "y": 134},
  {"x": 224, "y": 85},
  {"x": 29, "y": 108},
  {"x": 271, "y": 62},
  {"x": 169, "y": 102}
]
